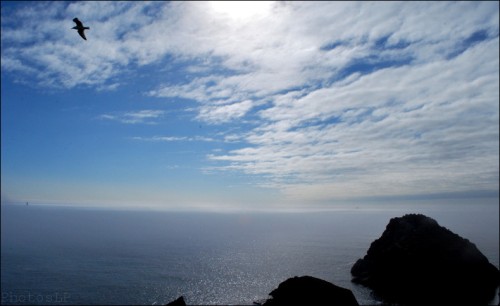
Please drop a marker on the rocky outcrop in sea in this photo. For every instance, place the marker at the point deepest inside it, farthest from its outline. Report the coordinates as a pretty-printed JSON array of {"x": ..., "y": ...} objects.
[
  {"x": 417, "y": 261},
  {"x": 179, "y": 302},
  {"x": 308, "y": 290}
]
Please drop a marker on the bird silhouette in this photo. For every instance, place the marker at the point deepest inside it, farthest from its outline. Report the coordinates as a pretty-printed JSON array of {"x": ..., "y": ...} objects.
[{"x": 80, "y": 28}]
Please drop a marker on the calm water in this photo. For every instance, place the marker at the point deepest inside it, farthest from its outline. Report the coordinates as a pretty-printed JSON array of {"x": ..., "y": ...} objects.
[{"x": 55, "y": 255}]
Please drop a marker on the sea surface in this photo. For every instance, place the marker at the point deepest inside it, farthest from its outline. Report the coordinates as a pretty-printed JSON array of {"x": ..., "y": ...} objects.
[{"x": 67, "y": 255}]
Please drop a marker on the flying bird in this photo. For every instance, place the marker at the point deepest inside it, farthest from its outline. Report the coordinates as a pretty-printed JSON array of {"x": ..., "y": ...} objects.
[{"x": 80, "y": 28}]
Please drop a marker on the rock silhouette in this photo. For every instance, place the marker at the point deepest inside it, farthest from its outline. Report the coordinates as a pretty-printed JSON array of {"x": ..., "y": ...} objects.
[
  {"x": 417, "y": 261},
  {"x": 179, "y": 302},
  {"x": 308, "y": 290}
]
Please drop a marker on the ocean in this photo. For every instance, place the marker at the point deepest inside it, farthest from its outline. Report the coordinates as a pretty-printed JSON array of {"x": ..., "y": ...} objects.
[{"x": 70, "y": 255}]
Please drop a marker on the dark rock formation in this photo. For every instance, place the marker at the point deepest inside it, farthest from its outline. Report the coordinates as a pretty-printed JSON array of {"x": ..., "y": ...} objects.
[
  {"x": 307, "y": 290},
  {"x": 417, "y": 261},
  {"x": 179, "y": 302}
]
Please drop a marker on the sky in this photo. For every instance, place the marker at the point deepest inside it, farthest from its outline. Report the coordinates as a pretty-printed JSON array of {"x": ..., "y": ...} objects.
[{"x": 249, "y": 105}]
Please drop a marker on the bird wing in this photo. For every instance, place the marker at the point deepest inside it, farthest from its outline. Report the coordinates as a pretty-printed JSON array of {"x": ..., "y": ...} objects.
[
  {"x": 78, "y": 22},
  {"x": 82, "y": 34}
]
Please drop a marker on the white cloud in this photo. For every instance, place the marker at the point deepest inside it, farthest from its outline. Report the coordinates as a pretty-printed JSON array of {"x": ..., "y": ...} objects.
[
  {"x": 425, "y": 129},
  {"x": 224, "y": 113},
  {"x": 142, "y": 116},
  {"x": 174, "y": 138},
  {"x": 276, "y": 51}
]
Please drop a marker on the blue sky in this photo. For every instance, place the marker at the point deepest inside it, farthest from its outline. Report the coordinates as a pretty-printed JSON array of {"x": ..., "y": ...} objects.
[{"x": 250, "y": 105}]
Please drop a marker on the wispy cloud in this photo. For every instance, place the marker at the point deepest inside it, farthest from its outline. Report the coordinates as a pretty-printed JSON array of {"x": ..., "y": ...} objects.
[
  {"x": 142, "y": 116},
  {"x": 173, "y": 138},
  {"x": 224, "y": 113},
  {"x": 395, "y": 131}
]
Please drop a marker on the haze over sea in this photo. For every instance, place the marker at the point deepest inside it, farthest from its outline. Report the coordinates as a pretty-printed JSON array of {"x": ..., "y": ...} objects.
[{"x": 77, "y": 255}]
